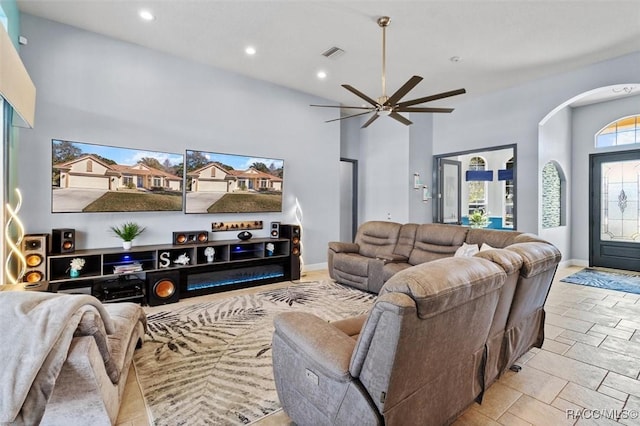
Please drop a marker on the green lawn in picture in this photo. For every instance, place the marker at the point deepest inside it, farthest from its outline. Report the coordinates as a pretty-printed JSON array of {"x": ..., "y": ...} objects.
[
  {"x": 136, "y": 202},
  {"x": 246, "y": 203}
]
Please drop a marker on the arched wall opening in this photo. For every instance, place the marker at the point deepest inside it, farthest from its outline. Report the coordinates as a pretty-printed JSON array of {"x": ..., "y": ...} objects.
[{"x": 566, "y": 138}]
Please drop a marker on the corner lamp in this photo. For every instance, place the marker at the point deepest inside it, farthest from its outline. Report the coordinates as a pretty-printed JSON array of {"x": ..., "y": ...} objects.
[{"x": 13, "y": 241}]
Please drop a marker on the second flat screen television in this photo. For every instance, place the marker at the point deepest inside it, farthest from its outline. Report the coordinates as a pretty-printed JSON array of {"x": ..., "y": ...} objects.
[{"x": 228, "y": 183}]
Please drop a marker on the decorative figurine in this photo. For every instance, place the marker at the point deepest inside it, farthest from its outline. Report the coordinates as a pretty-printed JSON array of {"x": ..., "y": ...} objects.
[
  {"x": 209, "y": 252},
  {"x": 183, "y": 259}
]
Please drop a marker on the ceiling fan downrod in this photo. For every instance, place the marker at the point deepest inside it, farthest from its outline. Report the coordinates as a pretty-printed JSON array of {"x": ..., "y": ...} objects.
[{"x": 384, "y": 22}]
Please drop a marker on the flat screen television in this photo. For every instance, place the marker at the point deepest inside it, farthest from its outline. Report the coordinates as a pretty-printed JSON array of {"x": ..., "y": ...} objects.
[
  {"x": 228, "y": 183},
  {"x": 92, "y": 178}
]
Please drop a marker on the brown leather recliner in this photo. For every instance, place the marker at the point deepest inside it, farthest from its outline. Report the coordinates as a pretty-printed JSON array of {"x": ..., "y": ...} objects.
[{"x": 419, "y": 358}]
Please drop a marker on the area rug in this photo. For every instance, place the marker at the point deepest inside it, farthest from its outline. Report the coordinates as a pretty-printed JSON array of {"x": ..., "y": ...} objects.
[
  {"x": 629, "y": 282},
  {"x": 210, "y": 363}
]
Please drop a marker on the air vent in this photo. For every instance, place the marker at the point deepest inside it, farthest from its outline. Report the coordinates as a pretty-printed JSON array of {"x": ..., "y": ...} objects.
[{"x": 333, "y": 52}]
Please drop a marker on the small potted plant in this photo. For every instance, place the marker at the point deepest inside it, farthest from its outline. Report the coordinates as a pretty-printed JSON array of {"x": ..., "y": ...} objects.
[
  {"x": 478, "y": 219},
  {"x": 127, "y": 232}
]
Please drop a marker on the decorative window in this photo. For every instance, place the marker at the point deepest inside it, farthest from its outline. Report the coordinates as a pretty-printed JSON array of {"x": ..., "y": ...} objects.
[
  {"x": 509, "y": 192},
  {"x": 621, "y": 132},
  {"x": 89, "y": 166},
  {"x": 553, "y": 196},
  {"x": 477, "y": 189}
]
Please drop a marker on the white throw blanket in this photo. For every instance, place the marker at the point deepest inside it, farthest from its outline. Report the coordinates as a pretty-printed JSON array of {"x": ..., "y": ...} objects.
[{"x": 37, "y": 329}]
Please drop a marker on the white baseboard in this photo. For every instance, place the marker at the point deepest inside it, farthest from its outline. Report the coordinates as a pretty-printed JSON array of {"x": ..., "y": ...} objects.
[
  {"x": 574, "y": 262},
  {"x": 315, "y": 267}
]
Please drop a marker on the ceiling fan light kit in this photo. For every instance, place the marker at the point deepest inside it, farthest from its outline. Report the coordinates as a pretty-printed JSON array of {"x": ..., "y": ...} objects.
[{"x": 391, "y": 105}]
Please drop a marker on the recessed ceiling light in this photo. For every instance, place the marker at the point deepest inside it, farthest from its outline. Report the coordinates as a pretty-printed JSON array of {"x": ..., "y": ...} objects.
[
  {"x": 146, "y": 15},
  {"x": 321, "y": 75},
  {"x": 250, "y": 50}
]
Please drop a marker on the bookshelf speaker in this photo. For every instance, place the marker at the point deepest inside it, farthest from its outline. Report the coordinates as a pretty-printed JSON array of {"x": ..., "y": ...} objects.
[{"x": 34, "y": 248}]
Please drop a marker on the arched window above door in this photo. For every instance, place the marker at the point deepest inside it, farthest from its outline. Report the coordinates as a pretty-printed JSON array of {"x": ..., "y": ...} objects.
[{"x": 624, "y": 131}]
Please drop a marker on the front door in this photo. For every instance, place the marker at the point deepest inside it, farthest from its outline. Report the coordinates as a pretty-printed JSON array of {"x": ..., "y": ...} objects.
[{"x": 614, "y": 210}]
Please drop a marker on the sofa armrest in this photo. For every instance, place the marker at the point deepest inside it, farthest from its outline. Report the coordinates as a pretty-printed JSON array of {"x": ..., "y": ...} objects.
[
  {"x": 340, "y": 247},
  {"x": 317, "y": 341},
  {"x": 392, "y": 258}
]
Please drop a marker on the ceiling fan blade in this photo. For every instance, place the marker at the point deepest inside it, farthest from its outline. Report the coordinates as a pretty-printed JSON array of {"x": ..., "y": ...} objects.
[
  {"x": 432, "y": 98},
  {"x": 360, "y": 94},
  {"x": 410, "y": 84},
  {"x": 340, "y": 106},
  {"x": 423, "y": 109},
  {"x": 373, "y": 118},
  {"x": 400, "y": 118},
  {"x": 348, "y": 116}
]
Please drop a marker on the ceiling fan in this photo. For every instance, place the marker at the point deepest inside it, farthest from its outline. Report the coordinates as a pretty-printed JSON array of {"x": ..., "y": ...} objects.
[{"x": 390, "y": 105}]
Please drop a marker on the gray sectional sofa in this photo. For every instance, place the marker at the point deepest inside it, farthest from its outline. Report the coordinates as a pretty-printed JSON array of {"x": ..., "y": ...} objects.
[
  {"x": 383, "y": 249},
  {"x": 443, "y": 327}
]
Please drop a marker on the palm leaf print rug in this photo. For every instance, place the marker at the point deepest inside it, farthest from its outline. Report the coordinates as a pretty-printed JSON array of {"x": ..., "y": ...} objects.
[
  {"x": 210, "y": 363},
  {"x": 621, "y": 281}
]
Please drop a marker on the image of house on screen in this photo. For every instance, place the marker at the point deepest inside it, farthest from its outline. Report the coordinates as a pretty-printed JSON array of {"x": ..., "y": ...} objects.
[
  {"x": 101, "y": 178},
  {"x": 90, "y": 172},
  {"x": 215, "y": 178}
]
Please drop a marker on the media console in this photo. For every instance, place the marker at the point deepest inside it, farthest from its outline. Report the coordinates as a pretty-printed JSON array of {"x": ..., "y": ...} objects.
[{"x": 115, "y": 274}]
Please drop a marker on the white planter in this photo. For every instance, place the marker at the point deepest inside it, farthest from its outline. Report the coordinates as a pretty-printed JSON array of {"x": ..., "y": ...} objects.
[{"x": 127, "y": 245}]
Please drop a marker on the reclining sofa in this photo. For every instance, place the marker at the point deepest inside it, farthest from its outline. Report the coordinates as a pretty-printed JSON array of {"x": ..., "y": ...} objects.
[
  {"x": 68, "y": 359},
  {"x": 418, "y": 357}
]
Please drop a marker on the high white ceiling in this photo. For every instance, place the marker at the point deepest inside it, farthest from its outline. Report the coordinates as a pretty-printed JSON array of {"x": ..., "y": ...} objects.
[{"x": 500, "y": 43}]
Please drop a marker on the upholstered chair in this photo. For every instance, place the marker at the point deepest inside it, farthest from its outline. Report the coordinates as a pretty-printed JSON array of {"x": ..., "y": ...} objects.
[{"x": 418, "y": 357}]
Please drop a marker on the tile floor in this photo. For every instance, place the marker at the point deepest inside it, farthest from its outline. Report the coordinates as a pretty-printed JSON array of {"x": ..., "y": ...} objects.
[{"x": 589, "y": 364}]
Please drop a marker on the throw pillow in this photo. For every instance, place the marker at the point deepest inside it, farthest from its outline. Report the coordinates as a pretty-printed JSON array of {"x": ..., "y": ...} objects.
[
  {"x": 466, "y": 250},
  {"x": 486, "y": 246}
]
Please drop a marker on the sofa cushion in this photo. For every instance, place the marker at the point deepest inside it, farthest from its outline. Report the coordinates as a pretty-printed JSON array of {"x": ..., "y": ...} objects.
[
  {"x": 509, "y": 260},
  {"x": 406, "y": 239},
  {"x": 466, "y": 250},
  {"x": 537, "y": 257},
  {"x": 442, "y": 284},
  {"x": 495, "y": 238},
  {"x": 485, "y": 247},
  {"x": 436, "y": 241},
  {"x": 351, "y": 263},
  {"x": 377, "y": 238}
]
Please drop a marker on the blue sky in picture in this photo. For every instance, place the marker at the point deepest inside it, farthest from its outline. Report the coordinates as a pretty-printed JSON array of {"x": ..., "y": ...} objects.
[
  {"x": 240, "y": 162},
  {"x": 126, "y": 156}
]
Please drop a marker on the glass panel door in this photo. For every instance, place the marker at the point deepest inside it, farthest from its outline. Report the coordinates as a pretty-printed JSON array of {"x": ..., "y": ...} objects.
[
  {"x": 449, "y": 191},
  {"x": 615, "y": 234}
]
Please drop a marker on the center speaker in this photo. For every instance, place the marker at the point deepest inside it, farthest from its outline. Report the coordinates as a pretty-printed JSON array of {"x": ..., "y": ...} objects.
[
  {"x": 34, "y": 248},
  {"x": 190, "y": 237},
  {"x": 294, "y": 234},
  {"x": 163, "y": 287}
]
